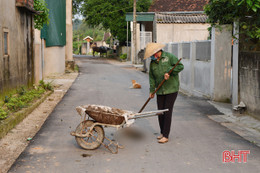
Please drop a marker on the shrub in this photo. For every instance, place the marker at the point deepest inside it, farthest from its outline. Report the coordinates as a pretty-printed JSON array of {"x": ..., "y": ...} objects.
[
  {"x": 15, "y": 103},
  {"x": 123, "y": 56},
  {"x": 46, "y": 86},
  {"x": 3, "y": 114},
  {"x": 22, "y": 98},
  {"x": 21, "y": 91}
]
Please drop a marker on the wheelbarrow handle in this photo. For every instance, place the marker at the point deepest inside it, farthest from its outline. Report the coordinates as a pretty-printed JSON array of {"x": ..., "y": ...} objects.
[
  {"x": 158, "y": 87},
  {"x": 150, "y": 112},
  {"x": 147, "y": 114}
]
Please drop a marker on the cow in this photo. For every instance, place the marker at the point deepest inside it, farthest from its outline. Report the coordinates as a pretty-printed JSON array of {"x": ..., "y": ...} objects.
[{"x": 102, "y": 49}]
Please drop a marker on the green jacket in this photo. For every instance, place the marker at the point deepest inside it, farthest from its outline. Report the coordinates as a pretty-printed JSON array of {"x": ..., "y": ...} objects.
[{"x": 157, "y": 71}]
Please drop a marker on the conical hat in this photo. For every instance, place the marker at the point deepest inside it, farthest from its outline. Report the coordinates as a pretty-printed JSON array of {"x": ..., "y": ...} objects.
[{"x": 152, "y": 48}]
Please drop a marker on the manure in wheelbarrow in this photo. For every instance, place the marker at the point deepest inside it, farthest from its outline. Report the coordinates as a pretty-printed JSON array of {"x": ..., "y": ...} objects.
[{"x": 105, "y": 114}]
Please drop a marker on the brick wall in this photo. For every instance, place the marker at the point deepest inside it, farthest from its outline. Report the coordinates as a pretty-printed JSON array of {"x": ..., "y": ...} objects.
[
  {"x": 28, "y": 3},
  {"x": 249, "y": 81}
]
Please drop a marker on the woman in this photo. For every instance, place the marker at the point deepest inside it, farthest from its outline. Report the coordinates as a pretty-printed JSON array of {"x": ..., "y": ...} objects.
[{"x": 161, "y": 63}]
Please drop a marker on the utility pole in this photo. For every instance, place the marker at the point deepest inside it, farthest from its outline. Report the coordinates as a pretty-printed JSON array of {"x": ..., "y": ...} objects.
[
  {"x": 134, "y": 33},
  {"x": 78, "y": 44}
]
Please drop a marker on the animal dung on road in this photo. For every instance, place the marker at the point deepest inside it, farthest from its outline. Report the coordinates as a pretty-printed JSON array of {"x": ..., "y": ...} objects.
[
  {"x": 86, "y": 155},
  {"x": 135, "y": 85}
]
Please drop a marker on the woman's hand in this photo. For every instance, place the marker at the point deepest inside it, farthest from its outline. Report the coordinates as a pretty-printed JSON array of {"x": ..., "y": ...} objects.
[
  {"x": 151, "y": 95},
  {"x": 166, "y": 76}
]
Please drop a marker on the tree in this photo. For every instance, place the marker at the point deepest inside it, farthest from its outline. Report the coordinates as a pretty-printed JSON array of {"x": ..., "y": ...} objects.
[
  {"x": 43, "y": 17},
  {"x": 247, "y": 12},
  {"x": 76, "y": 24},
  {"x": 111, "y": 14},
  {"x": 80, "y": 30},
  {"x": 76, "y": 6}
]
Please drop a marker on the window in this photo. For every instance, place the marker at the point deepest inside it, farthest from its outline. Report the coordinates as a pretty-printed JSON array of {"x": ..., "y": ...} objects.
[{"x": 5, "y": 43}]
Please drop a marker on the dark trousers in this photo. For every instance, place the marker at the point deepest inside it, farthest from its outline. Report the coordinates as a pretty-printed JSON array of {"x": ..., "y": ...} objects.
[{"x": 166, "y": 102}]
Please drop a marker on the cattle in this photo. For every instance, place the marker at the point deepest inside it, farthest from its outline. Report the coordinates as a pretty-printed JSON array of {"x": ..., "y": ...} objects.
[{"x": 102, "y": 50}]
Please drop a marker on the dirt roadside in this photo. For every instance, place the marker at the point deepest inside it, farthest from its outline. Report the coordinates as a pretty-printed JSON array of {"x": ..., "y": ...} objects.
[{"x": 13, "y": 144}]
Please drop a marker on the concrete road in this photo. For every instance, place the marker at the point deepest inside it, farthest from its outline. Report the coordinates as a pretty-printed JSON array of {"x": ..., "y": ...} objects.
[{"x": 195, "y": 144}]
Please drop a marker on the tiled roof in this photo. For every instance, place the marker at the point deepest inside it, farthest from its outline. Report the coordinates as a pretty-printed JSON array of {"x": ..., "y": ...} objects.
[
  {"x": 88, "y": 37},
  {"x": 181, "y": 18},
  {"x": 177, "y": 5}
]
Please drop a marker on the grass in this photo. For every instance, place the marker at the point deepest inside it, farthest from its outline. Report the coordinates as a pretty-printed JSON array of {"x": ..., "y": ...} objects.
[
  {"x": 123, "y": 56},
  {"x": 22, "y": 98},
  {"x": 76, "y": 68}
]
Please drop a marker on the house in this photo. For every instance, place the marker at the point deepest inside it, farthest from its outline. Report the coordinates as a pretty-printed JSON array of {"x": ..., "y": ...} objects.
[
  {"x": 53, "y": 44},
  {"x": 171, "y": 21},
  {"x": 88, "y": 39},
  {"x": 85, "y": 47},
  {"x": 180, "y": 21},
  {"x": 16, "y": 45},
  {"x": 26, "y": 58}
]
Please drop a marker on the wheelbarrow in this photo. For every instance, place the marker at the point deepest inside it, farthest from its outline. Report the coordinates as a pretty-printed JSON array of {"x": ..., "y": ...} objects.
[{"x": 90, "y": 134}]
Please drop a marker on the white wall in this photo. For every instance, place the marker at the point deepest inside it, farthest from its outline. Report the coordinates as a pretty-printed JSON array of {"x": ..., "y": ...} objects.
[
  {"x": 69, "y": 31},
  {"x": 54, "y": 60},
  {"x": 126, "y": 50},
  {"x": 221, "y": 63},
  {"x": 37, "y": 57},
  {"x": 207, "y": 69},
  {"x": 195, "y": 78},
  {"x": 137, "y": 49},
  {"x": 181, "y": 32},
  {"x": 202, "y": 78}
]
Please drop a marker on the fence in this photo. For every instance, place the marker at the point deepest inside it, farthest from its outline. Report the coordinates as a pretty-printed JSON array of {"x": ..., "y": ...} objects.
[
  {"x": 145, "y": 37},
  {"x": 207, "y": 66},
  {"x": 195, "y": 78}
]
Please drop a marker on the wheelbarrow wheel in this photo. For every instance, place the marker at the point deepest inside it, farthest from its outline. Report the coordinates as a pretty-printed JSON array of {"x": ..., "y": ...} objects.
[{"x": 95, "y": 138}]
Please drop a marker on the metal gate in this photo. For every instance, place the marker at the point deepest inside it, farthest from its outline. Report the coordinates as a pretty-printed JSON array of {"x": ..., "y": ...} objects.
[{"x": 145, "y": 37}]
